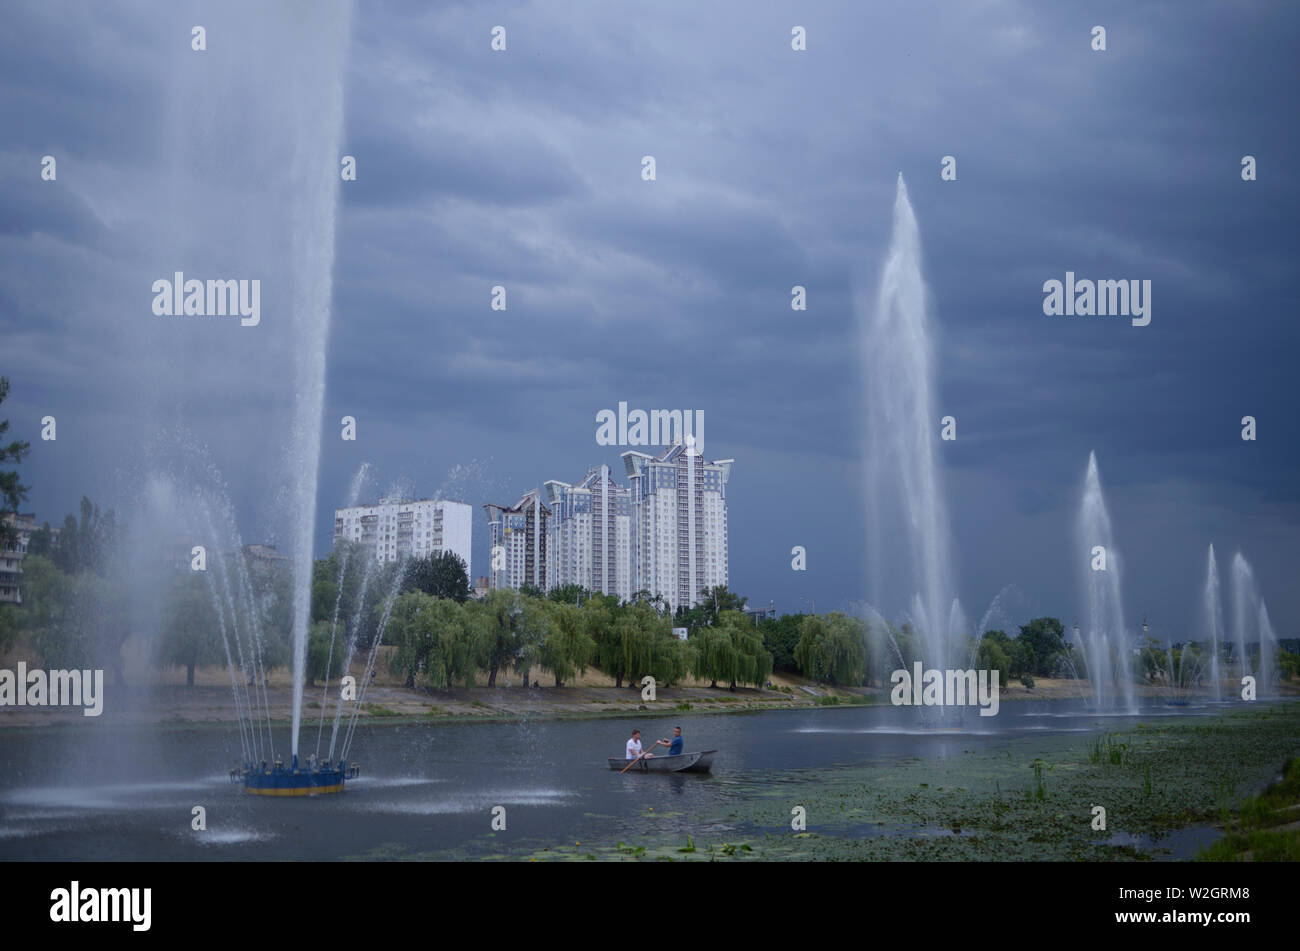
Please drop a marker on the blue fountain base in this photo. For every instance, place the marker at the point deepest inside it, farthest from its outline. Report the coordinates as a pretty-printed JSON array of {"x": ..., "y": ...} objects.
[{"x": 275, "y": 779}]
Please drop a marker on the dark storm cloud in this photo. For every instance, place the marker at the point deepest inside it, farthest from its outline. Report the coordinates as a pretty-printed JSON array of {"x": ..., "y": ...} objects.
[{"x": 774, "y": 169}]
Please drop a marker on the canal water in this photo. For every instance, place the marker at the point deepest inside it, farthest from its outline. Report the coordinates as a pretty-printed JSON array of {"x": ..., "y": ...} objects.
[{"x": 430, "y": 790}]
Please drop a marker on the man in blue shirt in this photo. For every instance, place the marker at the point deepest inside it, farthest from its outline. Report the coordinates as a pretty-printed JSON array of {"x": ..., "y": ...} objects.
[{"x": 675, "y": 747}]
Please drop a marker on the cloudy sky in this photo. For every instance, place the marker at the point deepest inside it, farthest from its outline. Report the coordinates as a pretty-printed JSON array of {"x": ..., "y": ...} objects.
[{"x": 774, "y": 168}]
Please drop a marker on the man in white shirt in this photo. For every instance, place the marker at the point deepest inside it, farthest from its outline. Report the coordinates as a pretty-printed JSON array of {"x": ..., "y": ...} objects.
[{"x": 634, "y": 746}]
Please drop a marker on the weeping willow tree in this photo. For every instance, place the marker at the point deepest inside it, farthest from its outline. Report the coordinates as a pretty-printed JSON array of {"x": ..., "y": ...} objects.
[
  {"x": 832, "y": 649},
  {"x": 499, "y": 621},
  {"x": 567, "y": 648},
  {"x": 731, "y": 651},
  {"x": 715, "y": 657},
  {"x": 649, "y": 647},
  {"x": 435, "y": 641}
]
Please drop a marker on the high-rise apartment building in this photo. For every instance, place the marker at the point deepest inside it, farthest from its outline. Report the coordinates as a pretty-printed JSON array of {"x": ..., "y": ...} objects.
[
  {"x": 519, "y": 542},
  {"x": 590, "y": 522},
  {"x": 404, "y": 528},
  {"x": 678, "y": 523}
]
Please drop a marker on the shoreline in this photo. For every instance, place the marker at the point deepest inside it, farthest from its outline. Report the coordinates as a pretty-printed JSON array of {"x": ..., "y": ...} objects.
[{"x": 169, "y": 706}]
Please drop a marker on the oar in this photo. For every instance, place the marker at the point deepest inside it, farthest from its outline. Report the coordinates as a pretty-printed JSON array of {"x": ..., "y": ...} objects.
[{"x": 638, "y": 759}]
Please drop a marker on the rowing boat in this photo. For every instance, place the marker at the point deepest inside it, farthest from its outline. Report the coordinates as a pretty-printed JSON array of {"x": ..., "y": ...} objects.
[{"x": 700, "y": 762}]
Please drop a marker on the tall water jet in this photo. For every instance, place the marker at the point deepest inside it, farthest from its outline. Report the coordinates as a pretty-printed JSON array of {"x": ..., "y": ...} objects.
[
  {"x": 1245, "y": 611},
  {"x": 1213, "y": 607},
  {"x": 1251, "y": 625},
  {"x": 904, "y": 496},
  {"x": 1105, "y": 641},
  {"x": 1267, "y": 649},
  {"x": 317, "y": 122}
]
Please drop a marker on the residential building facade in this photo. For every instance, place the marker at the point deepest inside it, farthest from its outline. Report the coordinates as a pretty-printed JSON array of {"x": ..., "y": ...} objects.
[
  {"x": 11, "y": 559},
  {"x": 519, "y": 542},
  {"x": 590, "y": 542},
  {"x": 395, "y": 529},
  {"x": 678, "y": 530}
]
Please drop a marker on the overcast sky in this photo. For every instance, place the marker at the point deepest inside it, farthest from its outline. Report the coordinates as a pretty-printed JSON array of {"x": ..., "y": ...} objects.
[{"x": 774, "y": 168}]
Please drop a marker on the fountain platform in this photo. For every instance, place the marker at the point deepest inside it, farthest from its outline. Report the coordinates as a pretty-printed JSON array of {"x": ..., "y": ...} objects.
[{"x": 275, "y": 779}]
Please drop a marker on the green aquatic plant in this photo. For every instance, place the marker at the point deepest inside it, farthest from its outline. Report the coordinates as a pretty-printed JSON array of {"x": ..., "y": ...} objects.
[{"x": 1040, "y": 789}]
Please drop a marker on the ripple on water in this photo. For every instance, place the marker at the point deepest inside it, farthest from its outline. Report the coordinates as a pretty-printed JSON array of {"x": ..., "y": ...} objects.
[
  {"x": 475, "y": 803},
  {"x": 104, "y": 798},
  {"x": 212, "y": 837},
  {"x": 395, "y": 782}
]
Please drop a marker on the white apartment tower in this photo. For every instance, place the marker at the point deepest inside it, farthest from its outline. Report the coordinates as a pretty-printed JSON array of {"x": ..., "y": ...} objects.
[
  {"x": 679, "y": 523},
  {"x": 519, "y": 536},
  {"x": 589, "y": 534},
  {"x": 404, "y": 528}
]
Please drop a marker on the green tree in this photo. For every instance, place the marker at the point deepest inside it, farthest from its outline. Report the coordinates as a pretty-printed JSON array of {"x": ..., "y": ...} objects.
[
  {"x": 443, "y": 576},
  {"x": 12, "y": 492},
  {"x": 50, "y": 612},
  {"x": 1044, "y": 640},
  {"x": 92, "y": 544},
  {"x": 318, "y": 652},
  {"x": 992, "y": 656},
  {"x": 780, "y": 635},
  {"x": 329, "y": 596},
  {"x": 1288, "y": 664},
  {"x": 655, "y": 601},
  {"x": 648, "y": 646},
  {"x": 41, "y": 541},
  {"x": 600, "y": 614},
  {"x": 714, "y": 656},
  {"x": 434, "y": 641},
  {"x": 754, "y": 661},
  {"x": 191, "y": 632},
  {"x": 1154, "y": 661},
  {"x": 272, "y": 590},
  {"x": 713, "y": 601},
  {"x": 567, "y": 648},
  {"x": 511, "y": 627},
  {"x": 832, "y": 649},
  {"x": 569, "y": 594},
  {"x": 76, "y": 620},
  {"x": 372, "y": 599}
]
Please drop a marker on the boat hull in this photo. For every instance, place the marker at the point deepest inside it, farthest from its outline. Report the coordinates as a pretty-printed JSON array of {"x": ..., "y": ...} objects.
[{"x": 699, "y": 762}]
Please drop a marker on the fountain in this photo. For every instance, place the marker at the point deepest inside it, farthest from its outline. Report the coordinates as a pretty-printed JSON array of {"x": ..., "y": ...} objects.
[
  {"x": 904, "y": 494},
  {"x": 257, "y": 125},
  {"x": 1250, "y": 617},
  {"x": 1213, "y": 606},
  {"x": 1105, "y": 644},
  {"x": 1267, "y": 648}
]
